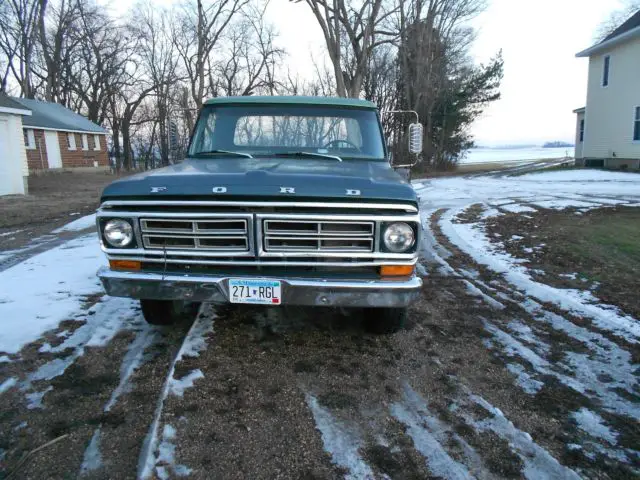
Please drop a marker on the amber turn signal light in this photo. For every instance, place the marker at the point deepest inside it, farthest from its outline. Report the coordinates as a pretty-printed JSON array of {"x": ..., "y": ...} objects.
[
  {"x": 125, "y": 265},
  {"x": 397, "y": 270}
]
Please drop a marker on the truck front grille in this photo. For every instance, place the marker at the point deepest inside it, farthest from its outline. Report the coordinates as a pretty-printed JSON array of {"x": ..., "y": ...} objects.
[
  {"x": 225, "y": 234},
  {"x": 317, "y": 236}
]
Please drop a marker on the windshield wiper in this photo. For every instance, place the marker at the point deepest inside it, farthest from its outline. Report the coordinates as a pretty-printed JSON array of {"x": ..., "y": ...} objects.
[
  {"x": 306, "y": 154},
  {"x": 226, "y": 152}
]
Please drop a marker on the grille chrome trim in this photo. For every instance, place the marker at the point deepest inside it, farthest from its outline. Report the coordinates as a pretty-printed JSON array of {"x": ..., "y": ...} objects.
[
  {"x": 175, "y": 225},
  {"x": 321, "y": 228},
  {"x": 222, "y": 234},
  {"x": 302, "y": 235},
  {"x": 256, "y": 255}
]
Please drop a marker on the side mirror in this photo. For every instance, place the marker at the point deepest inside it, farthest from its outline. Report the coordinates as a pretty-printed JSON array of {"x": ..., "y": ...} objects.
[{"x": 415, "y": 138}]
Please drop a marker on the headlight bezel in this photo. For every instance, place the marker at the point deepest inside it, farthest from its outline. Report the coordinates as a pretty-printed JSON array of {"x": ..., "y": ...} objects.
[
  {"x": 131, "y": 242},
  {"x": 384, "y": 247}
]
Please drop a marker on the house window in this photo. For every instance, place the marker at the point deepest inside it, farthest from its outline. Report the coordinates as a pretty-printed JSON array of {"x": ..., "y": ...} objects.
[
  {"x": 29, "y": 139},
  {"x": 605, "y": 71},
  {"x": 85, "y": 142},
  {"x": 96, "y": 142},
  {"x": 582, "y": 130},
  {"x": 636, "y": 126},
  {"x": 71, "y": 141}
]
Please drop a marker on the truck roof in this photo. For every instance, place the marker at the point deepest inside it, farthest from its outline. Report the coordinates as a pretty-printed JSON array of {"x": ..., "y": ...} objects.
[{"x": 293, "y": 100}]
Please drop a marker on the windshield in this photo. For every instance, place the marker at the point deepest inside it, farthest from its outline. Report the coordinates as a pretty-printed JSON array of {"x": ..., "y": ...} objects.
[{"x": 265, "y": 130}]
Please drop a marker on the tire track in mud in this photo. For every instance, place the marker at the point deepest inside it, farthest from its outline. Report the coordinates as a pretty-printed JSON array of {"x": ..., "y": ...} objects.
[
  {"x": 567, "y": 368},
  {"x": 91, "y": 380},
  {"x": 291, "y": 393}
]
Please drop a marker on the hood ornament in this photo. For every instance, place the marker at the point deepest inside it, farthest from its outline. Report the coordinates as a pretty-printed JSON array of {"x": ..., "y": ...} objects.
[
  {"x": 353, "y": 192},
  {"x": 158, "y": 189},
  {"x": 287, "y": 190},
  {"x": 219, "y": 189}
]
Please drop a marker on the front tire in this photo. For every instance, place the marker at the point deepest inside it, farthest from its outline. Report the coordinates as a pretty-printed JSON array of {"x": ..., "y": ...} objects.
[
  {"x": 385, "y": 321},
  {"x": 167, "y": 312}
]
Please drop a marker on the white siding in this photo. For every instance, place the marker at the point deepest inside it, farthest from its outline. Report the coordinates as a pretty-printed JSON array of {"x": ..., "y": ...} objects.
[
  {"x": 23, "y": 151},
  {"x": 610, "y": 110},
  {"x": 14, "y": 159}
]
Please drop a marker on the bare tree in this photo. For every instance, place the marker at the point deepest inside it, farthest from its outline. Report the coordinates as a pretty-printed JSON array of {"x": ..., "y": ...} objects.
[
  {"x": 197, "y": 34},
  {"x": 352, "y": 30},
  {"x": 159, "y": 60},
  {"x": 617, "y": 18},
  {"x": 97, "y": 70},
  {"x": 58, "y": 39},
  {"x": 248, "y": 62},
  {"x": 18, "y": 40}
]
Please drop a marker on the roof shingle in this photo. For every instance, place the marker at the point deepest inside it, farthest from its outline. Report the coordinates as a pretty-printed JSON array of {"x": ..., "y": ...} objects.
[
  {"x": 55, "y": 117},
  {"x": 8, "y": 102}
]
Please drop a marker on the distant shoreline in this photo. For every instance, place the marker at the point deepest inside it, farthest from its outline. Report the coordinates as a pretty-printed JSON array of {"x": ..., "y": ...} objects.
[
  {"x": 501, "y": 155},
  {"x": 486, "y": 167}
]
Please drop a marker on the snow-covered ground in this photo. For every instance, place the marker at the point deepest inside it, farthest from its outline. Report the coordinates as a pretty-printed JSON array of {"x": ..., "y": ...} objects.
[
  {"x": 566, "y": 188},
  {"x": 36, "y": 295},
  {"x": 606, "y": 372}
]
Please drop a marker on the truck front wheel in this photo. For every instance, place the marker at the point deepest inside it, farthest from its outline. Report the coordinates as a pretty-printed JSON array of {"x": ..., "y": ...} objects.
[
  {"x": 383, "y": 321},
  {"x": 166, "y": 312}
]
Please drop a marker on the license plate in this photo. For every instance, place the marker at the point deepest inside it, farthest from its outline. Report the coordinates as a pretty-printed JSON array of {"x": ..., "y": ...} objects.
[{"x": 263, "y": 292}]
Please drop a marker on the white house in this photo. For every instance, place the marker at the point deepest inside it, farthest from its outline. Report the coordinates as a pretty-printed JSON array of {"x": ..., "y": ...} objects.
[
  {"x": 608, "y": 128},
  {"x": 13, "y": 158}
]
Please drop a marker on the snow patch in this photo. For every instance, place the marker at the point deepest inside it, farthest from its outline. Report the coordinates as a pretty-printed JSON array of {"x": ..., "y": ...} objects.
[
  {"x": 476, "y": 292},
  {"x": 34, "y": 399},
  {"x": 13, "y": 232},
  {"x": 429, "y": 435},
  {"x": 561, "y": 204},
  {"x": 341, "y": 442},
  {"x": 525, "y": 381},
  {"x": 79, "y": 224},
  {"x": 92, "y": 459},
  {"x": 193, "y": 344},
  {"x": 594, "y": 425},
  {"x": 166, "y": 456},
  {"x": 517, "y": 208},
  {"x": 538, "y": 463},
  {"x": 131, "y": 362},
  {"x": 103, "y": 321},
  {"x": 177, "y": 387},
  {"x": 29, "y": 312},
  {"x": 471, "y": 239},
  {"x": 7, "y": 384}
]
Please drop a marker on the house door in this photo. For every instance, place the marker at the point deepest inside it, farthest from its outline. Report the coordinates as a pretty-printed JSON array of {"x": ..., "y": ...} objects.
[
  {"x": 6, "y": 173},
  {"x": 53, "y": 149}
]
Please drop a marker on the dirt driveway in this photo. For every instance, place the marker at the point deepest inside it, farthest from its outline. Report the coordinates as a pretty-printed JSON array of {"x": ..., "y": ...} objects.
[
  {"x": 54, "y": 199},
  {"x": 499, "y": 374}
]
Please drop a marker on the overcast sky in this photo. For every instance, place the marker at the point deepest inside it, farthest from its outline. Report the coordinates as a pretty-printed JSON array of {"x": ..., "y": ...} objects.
[{"x": 543, "y": 81}]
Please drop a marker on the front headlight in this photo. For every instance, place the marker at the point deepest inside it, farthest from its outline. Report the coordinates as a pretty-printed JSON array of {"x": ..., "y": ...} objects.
[
  {"x": 398, "y": 237},
  {"x": 118, "y": 233}
]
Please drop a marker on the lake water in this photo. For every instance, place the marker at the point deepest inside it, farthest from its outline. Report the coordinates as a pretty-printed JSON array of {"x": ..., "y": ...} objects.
[{"x": 486, "y": 155}]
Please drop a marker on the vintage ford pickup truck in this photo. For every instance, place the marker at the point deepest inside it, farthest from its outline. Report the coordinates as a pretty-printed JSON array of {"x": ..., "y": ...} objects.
[{"x": 280, "y": 201}]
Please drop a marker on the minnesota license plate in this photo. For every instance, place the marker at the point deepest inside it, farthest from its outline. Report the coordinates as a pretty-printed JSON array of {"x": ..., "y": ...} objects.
[{"x": 264, "y": 292}]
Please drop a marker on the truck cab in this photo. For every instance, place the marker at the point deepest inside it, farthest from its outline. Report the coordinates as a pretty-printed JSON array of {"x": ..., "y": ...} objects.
[{"x": 280, "y": 201}]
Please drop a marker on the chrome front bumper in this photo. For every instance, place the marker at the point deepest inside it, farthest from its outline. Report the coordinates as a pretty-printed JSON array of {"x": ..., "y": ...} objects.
[{"x": 204, "y": 288}]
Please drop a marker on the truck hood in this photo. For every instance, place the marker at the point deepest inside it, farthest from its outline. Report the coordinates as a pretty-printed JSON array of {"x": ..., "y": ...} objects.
[{"x": 266, "y": 179}]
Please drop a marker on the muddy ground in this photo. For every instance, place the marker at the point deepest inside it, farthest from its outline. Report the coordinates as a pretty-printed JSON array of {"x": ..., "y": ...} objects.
[
  {"x": 54, "y": 199},
  {"x": 306, "y": 393}
]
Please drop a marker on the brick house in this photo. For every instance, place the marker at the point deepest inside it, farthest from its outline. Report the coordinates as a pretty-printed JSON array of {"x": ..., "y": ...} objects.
[{"x": 57, "y": 138}]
